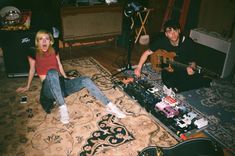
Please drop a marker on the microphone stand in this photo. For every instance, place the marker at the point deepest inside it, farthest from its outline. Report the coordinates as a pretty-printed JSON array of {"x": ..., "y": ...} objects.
[{"x": 129, "y": 48}]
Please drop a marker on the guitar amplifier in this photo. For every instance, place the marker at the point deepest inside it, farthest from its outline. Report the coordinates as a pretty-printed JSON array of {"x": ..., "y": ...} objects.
[
  {"x": 16, "y": 45},
  {"x": 91, "y": 22}
]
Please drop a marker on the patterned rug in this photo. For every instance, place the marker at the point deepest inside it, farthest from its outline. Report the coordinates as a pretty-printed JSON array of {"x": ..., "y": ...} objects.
[
  {"x": 216, "y": 103},
  {"x": 26, "y": 130}
]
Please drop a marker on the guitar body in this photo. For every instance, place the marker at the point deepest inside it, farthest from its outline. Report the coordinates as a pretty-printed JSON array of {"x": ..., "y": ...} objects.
[
  {"x": 192, "y": 147},
  {"x": 162, "y": 57}
]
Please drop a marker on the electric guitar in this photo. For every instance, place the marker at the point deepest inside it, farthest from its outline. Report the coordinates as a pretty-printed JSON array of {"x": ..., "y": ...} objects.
[
  {"x": 192, "y": 147},
  {"x": 162, "y": 57}
]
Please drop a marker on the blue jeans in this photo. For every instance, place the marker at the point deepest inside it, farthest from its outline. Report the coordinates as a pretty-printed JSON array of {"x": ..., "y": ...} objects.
[{"x": 55, "y": 89}]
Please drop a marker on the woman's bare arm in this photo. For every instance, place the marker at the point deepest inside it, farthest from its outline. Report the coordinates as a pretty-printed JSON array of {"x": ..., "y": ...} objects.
[
  {"x": 60, "y": 66},
  {"x": 30, "y": 76}
]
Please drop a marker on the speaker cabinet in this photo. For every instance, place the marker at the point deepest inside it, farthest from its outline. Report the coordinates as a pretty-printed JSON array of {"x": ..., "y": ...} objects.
[
  {"x": 89, "y": 22},
  {"x": 16, "y": 45}
]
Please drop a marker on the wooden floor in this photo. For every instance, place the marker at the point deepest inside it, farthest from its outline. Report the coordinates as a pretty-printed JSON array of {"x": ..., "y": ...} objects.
[
  {"x": 112, "y": 58},
  {"x": 109, "y": 55}
]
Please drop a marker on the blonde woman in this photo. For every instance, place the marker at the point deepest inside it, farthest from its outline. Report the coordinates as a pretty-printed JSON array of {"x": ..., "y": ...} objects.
[{"x": 55, "y": 84}]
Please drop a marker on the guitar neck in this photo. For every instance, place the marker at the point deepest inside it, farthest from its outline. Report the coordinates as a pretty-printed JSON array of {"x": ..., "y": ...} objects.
[
  {"x": 161, "y": 57},
  {"x": 179, "y": 64},
  {"x": 182, "y": 65},
  {"x": 198, "y": 69}
]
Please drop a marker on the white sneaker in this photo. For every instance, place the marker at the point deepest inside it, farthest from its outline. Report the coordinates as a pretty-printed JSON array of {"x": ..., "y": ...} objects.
[
  {"x": 168, "y": 91},
  {"x": 64, "y": 115},
  {"x": 111, "y": 108}
]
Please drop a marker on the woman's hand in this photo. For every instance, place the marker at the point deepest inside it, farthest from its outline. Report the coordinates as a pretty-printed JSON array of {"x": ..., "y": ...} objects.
[
  {"x": 22, "y": 89},
  {"x": 69, "y": 77}
]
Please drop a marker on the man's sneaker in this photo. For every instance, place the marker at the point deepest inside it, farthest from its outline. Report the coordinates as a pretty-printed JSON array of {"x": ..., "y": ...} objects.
[
  {"x": 111, "y": 108},
  {"x": 168, "y": 91},
  {"x": 64, "y": 115}
]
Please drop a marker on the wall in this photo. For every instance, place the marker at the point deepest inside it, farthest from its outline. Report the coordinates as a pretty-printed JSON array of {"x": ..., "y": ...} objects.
[
  {"x": 218, "y": 16},
  {"x": 155, "y": 20}
]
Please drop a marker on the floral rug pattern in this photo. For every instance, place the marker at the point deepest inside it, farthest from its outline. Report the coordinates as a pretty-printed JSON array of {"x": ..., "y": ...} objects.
[
  {"x": 26, "y": 130},
  {"x": 216, "y": 103},
  {"x": 110, "y": 133}
]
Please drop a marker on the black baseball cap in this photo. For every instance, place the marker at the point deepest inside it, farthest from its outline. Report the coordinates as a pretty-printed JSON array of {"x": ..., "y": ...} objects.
[{"x": 171, "y": 24}]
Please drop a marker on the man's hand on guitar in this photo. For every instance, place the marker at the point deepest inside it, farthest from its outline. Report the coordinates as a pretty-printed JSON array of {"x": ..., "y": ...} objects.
[{"x": 190, "y": 70}]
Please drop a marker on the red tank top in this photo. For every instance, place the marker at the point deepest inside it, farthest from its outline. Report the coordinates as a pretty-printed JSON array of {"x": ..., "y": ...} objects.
[{"x": 45, "y": 63}]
